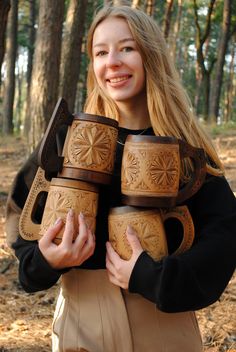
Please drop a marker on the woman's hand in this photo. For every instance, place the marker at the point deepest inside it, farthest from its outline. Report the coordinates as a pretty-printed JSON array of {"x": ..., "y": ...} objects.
[
  {"x": 119, "y": 270},
  {"x": 68, "y": 253}
]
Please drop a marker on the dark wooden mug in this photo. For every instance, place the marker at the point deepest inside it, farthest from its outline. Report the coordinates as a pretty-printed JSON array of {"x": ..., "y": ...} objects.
[
  {"x": 89, "y": 149},
  {"x": 150, "y": 174}
]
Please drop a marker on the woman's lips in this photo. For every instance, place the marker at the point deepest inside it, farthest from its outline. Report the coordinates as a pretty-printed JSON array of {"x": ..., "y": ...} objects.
[{"x": 118, "y": 79}]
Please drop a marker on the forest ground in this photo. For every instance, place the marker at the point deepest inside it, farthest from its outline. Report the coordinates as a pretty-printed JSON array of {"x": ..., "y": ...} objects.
[{"x": 25, "y": 319}]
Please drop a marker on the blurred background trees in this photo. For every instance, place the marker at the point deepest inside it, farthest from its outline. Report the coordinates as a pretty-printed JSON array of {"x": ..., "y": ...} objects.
[{"x": 43, "y": 56}]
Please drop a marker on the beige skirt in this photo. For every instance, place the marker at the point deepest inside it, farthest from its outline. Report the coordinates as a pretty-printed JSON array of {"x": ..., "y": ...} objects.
[{"x": 94, "y": 315}]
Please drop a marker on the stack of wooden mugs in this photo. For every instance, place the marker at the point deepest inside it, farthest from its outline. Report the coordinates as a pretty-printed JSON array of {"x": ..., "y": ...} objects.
[{"x": 150, "y": 181}]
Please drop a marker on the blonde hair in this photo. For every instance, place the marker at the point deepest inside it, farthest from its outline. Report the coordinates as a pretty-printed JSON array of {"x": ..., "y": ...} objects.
[{"x": 169, "y": 106}]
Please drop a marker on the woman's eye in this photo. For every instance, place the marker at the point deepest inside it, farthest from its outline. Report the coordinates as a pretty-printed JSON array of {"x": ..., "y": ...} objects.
[
  {"x": 127, "y": 49},
  {"x": 101, "y": 53}
]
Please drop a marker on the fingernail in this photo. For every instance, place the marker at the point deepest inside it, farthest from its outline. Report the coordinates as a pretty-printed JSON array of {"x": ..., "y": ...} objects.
[
  {"x": 81, "y": 215},
  {"x": 130, "y": 229},
  {"x": 57, "y": 221},
  {"x": 71, "y": 212}
]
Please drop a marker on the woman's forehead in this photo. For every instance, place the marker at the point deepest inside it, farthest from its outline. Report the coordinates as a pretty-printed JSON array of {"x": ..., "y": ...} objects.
[{"x": 112, "y": 28}]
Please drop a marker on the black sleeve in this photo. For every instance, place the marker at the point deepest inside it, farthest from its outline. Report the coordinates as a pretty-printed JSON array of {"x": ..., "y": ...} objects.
[
  {"x": 196, "y": 278},
  {"x": 35, "y": 274}
]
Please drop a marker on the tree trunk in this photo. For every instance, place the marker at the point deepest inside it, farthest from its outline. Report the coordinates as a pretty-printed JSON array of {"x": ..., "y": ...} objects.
[
  {"x": 32, "y": 34},
  {"x": 4, "y": 9},
  {"x": 46, "y": 64},
  {"x": 135, "y": 3},
  {"x": 201, "y": 38},
  {"x": 174, "y": 46},
  {"x": 167, "y": 18},
  {"x": 221, "y": 60},
  {"x": 150, "y": 7},
  {"x": 9, "y": 91},
  {"x": 18, "y": 98},
  {"x": 206, "y": 91},
  {"x": 71, "y": 55},
  {"x": 198, "y": 89},
  {"x": 230, "y": 86}
]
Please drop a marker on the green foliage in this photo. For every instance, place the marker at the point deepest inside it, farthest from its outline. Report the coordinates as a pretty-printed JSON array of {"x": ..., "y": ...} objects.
[
  {"x": 185, "y": 55},
  {"x": 233, "y": 18},
  {"x": 24, "y": 23},
  {"x": 159, "y": 12}
]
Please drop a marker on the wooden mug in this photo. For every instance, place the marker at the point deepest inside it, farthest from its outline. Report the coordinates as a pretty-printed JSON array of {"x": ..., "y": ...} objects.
[
  {"x": 89, "y": 149},
  {"x": 150, "y": 174},
  {"x": 62, "y": 195},
  {"x": 149, "y": 226}
]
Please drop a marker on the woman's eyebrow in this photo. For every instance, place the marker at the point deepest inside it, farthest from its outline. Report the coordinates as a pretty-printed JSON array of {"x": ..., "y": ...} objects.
[{"x": 121, "y": 41}]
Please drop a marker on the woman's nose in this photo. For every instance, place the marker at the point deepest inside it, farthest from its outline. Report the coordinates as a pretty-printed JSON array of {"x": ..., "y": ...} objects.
[{"x": 113, "y": 59}]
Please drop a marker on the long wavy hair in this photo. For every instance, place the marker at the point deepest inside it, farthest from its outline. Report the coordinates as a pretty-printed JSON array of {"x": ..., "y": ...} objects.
[{"x": 170, "y": 109}]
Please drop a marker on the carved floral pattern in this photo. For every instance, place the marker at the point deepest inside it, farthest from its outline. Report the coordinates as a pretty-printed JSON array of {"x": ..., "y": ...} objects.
[
  {"x": 151, "y": 235},
  {"x": 90, "y": 146},
  {"x": 132, "y": 169},
  {"x": 58, "y": 204},
  {"x": 164, "y": 170}
]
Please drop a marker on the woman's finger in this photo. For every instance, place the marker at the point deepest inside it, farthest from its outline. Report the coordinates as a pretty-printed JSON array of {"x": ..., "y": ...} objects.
[
  {"x": 91, "y": 241},
  {"x": 52, "y": 232},
  {"x": 113, "y": 256},
  {"x": 82, "y": 251},
  {"x": 133, "y": 240},
  {"x": 82, "y": 235},
  {"x": 89, "y": 246},
  {"x": 114, "y": 280},
  {"x": 69, "y": 231},
  {"x": 109, "y": 265}
]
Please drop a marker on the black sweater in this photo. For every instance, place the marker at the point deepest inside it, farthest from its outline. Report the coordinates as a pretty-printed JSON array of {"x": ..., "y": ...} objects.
[{"x": 177, "y": 283}]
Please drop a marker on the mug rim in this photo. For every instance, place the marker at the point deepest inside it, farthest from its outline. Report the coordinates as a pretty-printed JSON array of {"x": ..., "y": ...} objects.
[
  {"x": 79, "y": 185},
  {"x": 125, "y": 209},
  {"x": 96, "y": 118}
]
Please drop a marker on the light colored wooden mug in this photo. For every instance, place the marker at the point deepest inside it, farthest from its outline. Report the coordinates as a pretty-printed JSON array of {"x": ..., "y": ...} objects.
[
  {"x": 63, "y": 195},
  {"x": 149, "y": 225},
  {"x": 89, "y": 149},
  {"x": 150, "y": 174}
]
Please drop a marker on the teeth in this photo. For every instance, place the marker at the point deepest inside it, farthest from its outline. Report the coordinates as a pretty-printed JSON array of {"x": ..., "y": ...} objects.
[{"x": 118, "y": 79}]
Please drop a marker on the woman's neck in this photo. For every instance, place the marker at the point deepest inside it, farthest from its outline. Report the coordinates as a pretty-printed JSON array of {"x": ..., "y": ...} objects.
[{"x": 134, "y": 117}]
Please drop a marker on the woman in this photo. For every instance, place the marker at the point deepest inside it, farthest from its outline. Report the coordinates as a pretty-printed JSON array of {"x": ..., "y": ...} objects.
[{"x": 106, "y": 303}]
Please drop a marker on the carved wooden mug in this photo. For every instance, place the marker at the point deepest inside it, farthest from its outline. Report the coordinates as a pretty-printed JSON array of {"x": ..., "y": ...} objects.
[
  {"x": 151, "y": 166},
  {"x": 63, "y": 195},
  {"x": 89, "y": 149},
  {"x": 149, "y": 225}
]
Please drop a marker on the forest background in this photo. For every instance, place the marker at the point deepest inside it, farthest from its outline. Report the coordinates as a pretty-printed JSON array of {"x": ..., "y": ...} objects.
[{"x": 43, "y": 57}]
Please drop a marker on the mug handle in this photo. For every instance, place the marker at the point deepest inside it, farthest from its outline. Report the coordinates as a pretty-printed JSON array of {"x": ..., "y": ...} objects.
[
  {"x": 199, "y": 163},
  {"x": 183, "y": 215},
  {"x": 28, "y": 229},
  {"x": 48, "y": 158}
]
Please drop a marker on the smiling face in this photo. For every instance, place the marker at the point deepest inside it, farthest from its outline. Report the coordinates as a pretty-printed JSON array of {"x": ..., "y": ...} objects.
[{"x": 117, "y": 63}]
